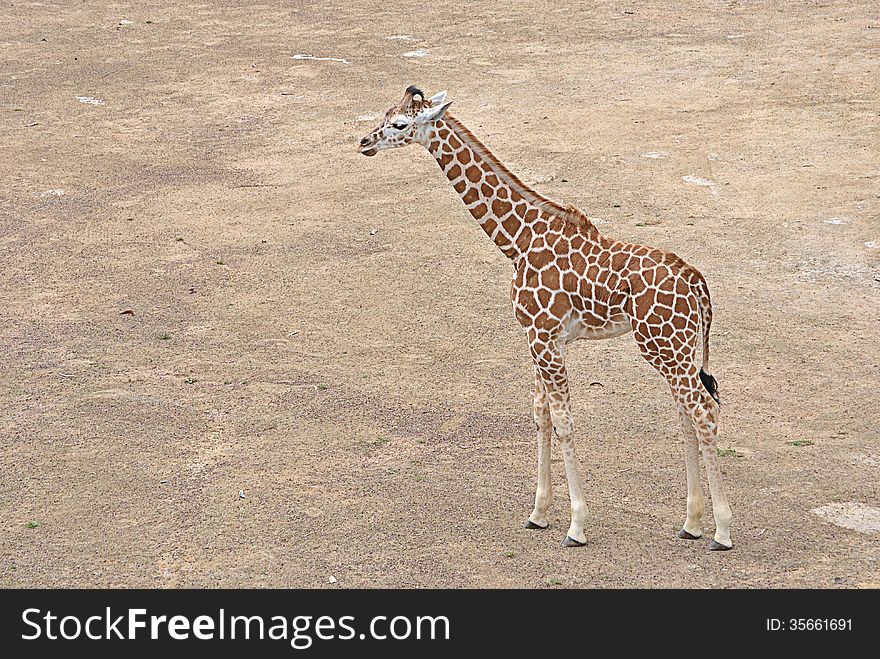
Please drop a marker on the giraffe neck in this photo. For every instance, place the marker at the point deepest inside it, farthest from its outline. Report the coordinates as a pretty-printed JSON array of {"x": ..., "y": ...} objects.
[{"x": 506, "y": 208}]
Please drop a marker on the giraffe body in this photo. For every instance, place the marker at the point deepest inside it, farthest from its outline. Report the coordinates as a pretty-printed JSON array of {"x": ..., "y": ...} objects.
[{"x": 571, "y": 282}]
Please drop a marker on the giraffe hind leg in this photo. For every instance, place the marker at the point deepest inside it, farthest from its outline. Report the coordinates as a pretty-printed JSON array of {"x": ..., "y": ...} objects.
[
  {"x": 695, "y": 392},
  {"x": 702, "y": 411},
  {"x": 695, "y": 500},
  {"x": 667, "y": 328}
]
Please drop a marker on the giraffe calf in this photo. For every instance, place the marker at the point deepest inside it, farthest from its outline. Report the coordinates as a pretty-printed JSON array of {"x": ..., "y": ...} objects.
[{"x": 571, "y": 282}]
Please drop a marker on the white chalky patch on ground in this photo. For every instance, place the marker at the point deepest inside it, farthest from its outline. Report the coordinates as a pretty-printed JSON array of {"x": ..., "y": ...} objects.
[
  {"x": 367, "y": 117},
  {"x": 125, "y": 22},
  {"x": 543, "y": 178},
  {"x": 838, "y": 220},
  {"x": 866, "y": 459},
  {"x": 828, "y": 267},
  {"x": 400, "y": 37},
  {"x": 53, "y": 193},
  {"x": 89, "y": 100},
  {"x": 872, "y": 244},
  {"x": 320, "y": 59},
  {"x": 655, "y": 155},
  {"x": 696, "y": 180},
  {"x": 421, "y": 52},
  {"x": 851, "y": 515}
]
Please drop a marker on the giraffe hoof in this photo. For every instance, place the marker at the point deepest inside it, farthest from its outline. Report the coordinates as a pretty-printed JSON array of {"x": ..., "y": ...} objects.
[
  {"x": 571, "y": 542},
  {"x": 684, "y": 535},
  {"x": 717, "y": 546},
  {"x": 531, "y": 525}
]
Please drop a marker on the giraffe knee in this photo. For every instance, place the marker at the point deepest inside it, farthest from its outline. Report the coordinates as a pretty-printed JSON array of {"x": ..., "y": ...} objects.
[
  {"x": 702, "y": 411},
  {"x": 708, "y": 439},
  {"x": 541, "y": 413},
  {"x": 565, "y": 433},
  {"x": 543, "y": 425},
  {"x": 708, "y": 421},
  {"x": 706, "y": 432},
  {"x": 562, "y": 422}
]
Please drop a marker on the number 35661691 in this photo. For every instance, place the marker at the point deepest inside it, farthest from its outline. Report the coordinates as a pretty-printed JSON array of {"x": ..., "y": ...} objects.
[{"x": 810, "y": 624}]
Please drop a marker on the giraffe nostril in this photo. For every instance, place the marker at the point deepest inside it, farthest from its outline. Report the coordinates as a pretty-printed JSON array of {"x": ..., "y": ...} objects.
[{"x": 365, "y": 141}]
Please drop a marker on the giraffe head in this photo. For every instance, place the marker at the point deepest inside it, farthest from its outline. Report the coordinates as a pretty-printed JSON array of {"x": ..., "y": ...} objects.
[{"x": 406, "y": 122}]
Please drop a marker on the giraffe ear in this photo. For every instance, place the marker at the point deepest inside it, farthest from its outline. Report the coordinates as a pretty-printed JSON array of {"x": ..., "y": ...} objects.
[
  {"x": 438, "y": 98},
  {"x": 433, "y": 113}
]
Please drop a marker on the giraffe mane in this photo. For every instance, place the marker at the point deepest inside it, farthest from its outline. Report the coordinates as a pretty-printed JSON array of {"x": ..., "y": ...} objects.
[
  {"x": 574, "y": 215},
  {"x": 568, "y": 213}
]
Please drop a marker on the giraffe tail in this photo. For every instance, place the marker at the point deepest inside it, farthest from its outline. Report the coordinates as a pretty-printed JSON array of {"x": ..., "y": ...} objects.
[
  {"x": 704, "y": 302},
  {"x": 711, "y": 384}
]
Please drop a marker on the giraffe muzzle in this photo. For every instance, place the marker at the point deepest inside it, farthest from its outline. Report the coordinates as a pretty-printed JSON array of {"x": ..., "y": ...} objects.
[{"x": 367, "y": 146}]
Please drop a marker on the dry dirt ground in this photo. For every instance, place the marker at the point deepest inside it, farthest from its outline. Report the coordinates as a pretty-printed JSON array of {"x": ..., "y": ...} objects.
[{"x": 331, "y": 334}]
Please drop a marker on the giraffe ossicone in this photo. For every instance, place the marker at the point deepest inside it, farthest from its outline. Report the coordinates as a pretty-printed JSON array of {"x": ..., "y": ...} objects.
[{"x": 570, "y": 282}]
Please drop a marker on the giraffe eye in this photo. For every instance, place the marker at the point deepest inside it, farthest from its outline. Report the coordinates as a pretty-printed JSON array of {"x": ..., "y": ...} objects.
[{"x": 399, "y": 125}]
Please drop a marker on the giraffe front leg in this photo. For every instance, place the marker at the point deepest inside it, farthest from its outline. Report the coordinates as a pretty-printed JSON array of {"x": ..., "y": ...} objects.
[
  {"x": 544, "y": 490},
  {"x": 575, "y": 536},
  {"x": 556, "y": 385},
  {"x": 549, "y": 358}
]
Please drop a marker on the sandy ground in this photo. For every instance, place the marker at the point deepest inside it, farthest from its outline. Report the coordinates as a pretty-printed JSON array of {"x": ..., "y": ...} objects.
[{"x": 331, "y": 334}]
